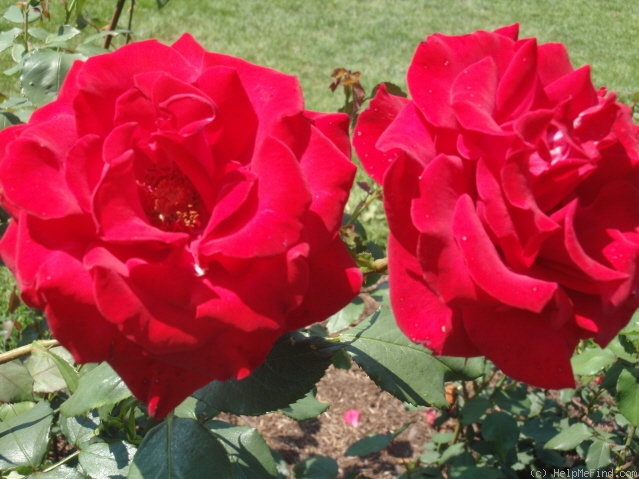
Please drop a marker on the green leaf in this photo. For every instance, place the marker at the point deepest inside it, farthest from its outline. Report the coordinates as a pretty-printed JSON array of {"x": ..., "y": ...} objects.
[
  {"x": 16, "y": 383},
  {"x": 14, "y": 14},
  {"x": 10, "y": 410},
  {"x": 462, "y": 369},
  {"x": 161, "y": 3},
  {"x": 628, "y": 395},
  {"x": 369, "y": 445},
  {"x": 569, "y": 438},
  {"x": 406, "y": 370},
  {"x": 598, "y": 455},
  {"x": 64, "y": 34},
  {"x": 501, "y": 431},
  {"x": 474, "y": 409},
  {"x": 7, "y": 37},
  {"x": 39, "y": 33},
  {"x": 186, "y": 408},
  {"x": 24, "y": 438},
  {"x": 106, "y": 461},
  {"x": 31, "y": 15},
  {"x": 316, "y": 467},
  {"x": 99, "y": 387},
  {"x": 373, "y": 443},
  {"x": 540, "y": 430},
  {"x": 62, "y": 359},
  {"x": 250, "y": 457},
  {"x": 292, "y": 368},
  {"x": 80, "y": 429},
  {"x": 42, "y": 73},
  {"x": 44, "y": 371},
  {"x": 306, "y": 408},
  {"x": 344, "y": 317},
  {"x": 180, "y": 448},
  {"x": 592, "y": 360}
]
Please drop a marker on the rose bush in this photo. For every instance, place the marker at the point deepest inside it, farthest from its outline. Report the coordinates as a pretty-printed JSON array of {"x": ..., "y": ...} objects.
[
  {"x": 175, "y": 211},
  {"x": 511, "y": 191}
]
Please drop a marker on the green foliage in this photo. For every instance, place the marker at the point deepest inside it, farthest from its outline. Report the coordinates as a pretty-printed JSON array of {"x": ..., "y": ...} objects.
[
  {"x": 180, "y": 447},
  {"x": 373, "y": 443},
  {"x": 295, "y": 364},
  {"x": 316, "y": 467},
  {"x": 24, "y": 437},
  {"x": 397, "y": 365}
]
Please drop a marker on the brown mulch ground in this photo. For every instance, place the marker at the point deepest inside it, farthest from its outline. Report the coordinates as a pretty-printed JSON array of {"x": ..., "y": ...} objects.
[{"x": 329, "y": 435}]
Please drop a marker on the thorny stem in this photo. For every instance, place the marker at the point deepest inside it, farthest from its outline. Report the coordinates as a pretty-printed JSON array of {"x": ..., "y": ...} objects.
[
  {"x": 26, "y": 350},
  {"x": 114, "y": 22}
]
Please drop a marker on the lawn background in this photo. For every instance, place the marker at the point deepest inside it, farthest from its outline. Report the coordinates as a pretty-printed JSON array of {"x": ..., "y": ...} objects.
[{"x": 308, "y": 38}]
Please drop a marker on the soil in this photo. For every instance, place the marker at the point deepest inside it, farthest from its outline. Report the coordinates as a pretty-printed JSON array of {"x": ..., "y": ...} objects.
[{"x": 330, "y": 435}]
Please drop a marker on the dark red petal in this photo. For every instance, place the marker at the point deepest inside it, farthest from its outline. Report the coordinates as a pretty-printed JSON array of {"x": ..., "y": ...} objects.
[
  {"x": 34, "y": 161},
  {"x": 232, "y": 135},
  {"x": 553, "y": 62},
  {"x": 440, "y": 59},
  {"x": 283, "y": 200},
  {"x": 441, "y": 184},
  {"x": 409, "y": 133},
  {"x": 576, "y": 87},
  {"x": 370, "y": 125},
  {"x": 488, "y": 270},
  {"x": 419, "y": 312},
  {"x": 67, "y": 293},
  {"x": 333, "y": 282},
  {"x": 118, "y": 210},
  {"x": 524, "y": 345},
  {"x": 103, "y": 78},
  {"x": 329, "y": 175},
  {"x": 518, "y": 86},
  {"x": 472, "y": 95}
]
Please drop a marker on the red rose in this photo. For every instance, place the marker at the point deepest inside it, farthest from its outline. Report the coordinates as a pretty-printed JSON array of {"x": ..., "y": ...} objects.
[
  {"x": 175, "y": 212},
  {"x": 511, "y": 190}
]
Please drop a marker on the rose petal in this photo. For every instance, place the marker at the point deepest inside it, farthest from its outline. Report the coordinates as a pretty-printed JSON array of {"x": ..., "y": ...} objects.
[
  {"x": 488, "y": 270},
  {"x": 371, "y": 123}
]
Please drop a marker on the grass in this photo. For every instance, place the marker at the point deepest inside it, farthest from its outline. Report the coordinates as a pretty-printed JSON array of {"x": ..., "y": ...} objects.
[{"x": 308, "y": 38}]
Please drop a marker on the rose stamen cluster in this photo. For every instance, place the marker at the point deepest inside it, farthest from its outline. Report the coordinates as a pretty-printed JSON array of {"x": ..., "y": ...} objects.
[
  {"x": 171, "y": 202},
  {"x": 511, "y": 187}
]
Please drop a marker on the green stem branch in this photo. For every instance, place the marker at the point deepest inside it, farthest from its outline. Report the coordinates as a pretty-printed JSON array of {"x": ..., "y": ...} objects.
[{"x": 26, "y": 350}]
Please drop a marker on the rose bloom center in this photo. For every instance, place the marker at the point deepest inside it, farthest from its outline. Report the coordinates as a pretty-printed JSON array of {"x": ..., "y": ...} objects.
[{"x": 170, "y": 201}]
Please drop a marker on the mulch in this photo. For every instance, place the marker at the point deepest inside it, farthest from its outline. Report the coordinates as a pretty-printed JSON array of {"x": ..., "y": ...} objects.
[{"x": 329, "y": 435}]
